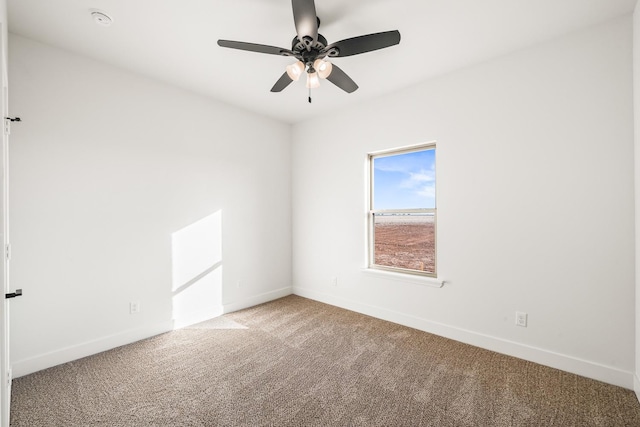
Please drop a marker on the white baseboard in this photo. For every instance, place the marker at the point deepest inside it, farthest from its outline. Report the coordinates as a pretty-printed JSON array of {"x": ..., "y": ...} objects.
[
  {"x": 196, "y": 317},
  {"x": 544, "y": 357},
  {"x": 636, "y": 386},
  {"x": 68, "y": 354},
  {"x": 563, "y": 362},
  {"x": 37, "y": 363},
  {"x": 252, "y": 300}
]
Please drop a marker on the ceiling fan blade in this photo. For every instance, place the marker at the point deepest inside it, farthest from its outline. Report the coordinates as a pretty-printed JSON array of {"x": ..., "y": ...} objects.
[
  {"x": 304, "y": 16},
  {"x": 341, "y": 79},
  {"x": 253, "y": 47},
  {"x": 362, "y": 44},
  {"x": 282, "y": 83}
]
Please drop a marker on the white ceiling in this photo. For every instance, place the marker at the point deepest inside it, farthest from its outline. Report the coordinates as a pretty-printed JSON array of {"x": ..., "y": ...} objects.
[{"x": 175, "y": 41}]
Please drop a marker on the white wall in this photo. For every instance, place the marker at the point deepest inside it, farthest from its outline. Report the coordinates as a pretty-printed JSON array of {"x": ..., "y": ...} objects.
[
  {"x": 5, "y": 369},
  {"x": 636, "y": 103},
  {"x": 107, "y": 170},
  {"x": 535, "y": 199},
  {"x": 535, "y": 204}
]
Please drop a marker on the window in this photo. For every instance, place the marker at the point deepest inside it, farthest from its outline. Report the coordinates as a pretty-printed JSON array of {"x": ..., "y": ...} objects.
[{"x": 402, "y": 210}]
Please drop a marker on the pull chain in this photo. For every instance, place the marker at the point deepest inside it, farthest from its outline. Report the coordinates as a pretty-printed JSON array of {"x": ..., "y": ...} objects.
[{"x": 309, "y": 95}]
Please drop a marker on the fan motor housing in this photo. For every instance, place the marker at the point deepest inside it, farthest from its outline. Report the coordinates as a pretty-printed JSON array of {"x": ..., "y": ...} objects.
[
  {"x": 300, "y": 46},
  {"x": 310, "y": 46}
]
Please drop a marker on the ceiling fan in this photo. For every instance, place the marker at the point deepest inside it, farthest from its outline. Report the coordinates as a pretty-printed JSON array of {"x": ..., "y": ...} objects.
[{"x": 311, "y": 50}]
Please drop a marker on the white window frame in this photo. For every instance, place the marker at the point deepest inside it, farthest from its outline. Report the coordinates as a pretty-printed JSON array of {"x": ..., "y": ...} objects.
[{"x": 372, "y": 212}]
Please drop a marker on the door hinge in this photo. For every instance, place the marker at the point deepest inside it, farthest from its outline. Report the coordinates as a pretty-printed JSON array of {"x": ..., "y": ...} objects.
[
  {"x": 7, "y": 124},
  {"x": 8, "y": 251},
  {"x": 17, "y": 293}
]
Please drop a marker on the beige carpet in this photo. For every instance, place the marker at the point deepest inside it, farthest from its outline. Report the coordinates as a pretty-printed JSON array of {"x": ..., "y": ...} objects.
[{"x": 296, "y": 362}]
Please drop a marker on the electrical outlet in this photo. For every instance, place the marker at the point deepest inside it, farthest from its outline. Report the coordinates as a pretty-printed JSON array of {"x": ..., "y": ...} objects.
[
  {"x": 521, "y": 318},
  {"x": 134, "y": 307},
  {"x": 334, "y": 281}
]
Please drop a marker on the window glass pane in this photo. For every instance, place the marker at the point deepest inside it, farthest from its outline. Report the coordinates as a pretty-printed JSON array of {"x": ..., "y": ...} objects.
[
  {"x": 405, "y": 181},
  {"x": 405, "y": 241}
]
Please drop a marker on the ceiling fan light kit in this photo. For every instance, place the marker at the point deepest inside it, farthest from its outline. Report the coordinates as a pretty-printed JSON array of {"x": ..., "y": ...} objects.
[
  {"x": 294, "y": 71},
  {"x": 311, "y": 48},
  {"x": 323, "y": 68},
  {"x": 313, "y": 82}
]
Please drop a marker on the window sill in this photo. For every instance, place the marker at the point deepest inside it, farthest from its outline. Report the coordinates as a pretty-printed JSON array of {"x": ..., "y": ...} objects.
[{"x": 406, "y": 278}]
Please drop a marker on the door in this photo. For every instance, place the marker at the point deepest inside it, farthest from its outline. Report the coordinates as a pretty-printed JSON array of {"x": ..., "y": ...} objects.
[{"x": 5, "y": 366}]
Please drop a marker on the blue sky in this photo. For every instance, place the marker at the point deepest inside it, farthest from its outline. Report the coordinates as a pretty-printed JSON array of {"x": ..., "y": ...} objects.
[{"x": 405, "y": 181}]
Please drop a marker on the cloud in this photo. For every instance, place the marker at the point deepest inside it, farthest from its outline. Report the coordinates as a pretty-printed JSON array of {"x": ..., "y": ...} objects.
[
  {"x": 418, "y": 179},
  {"x": 404, "y": 163},
  {"x": 422, "y": 184},
  {"x": 406, "y": 180},
  {"x": 428, "y": 191}
]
